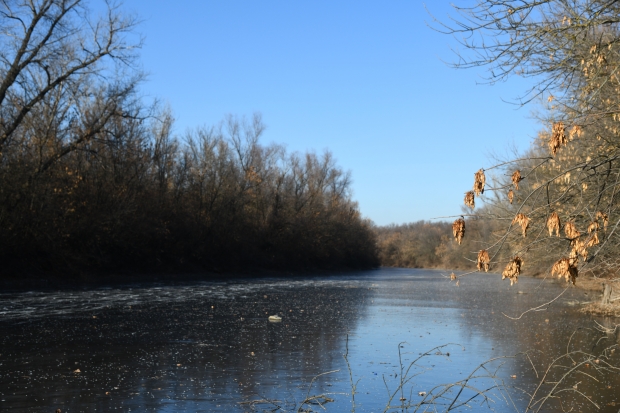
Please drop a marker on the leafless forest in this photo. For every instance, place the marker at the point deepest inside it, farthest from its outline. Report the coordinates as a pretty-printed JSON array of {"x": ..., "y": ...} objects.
[
  {"x": 92, "y": 177},
  {"x": 430, "y": 244}
]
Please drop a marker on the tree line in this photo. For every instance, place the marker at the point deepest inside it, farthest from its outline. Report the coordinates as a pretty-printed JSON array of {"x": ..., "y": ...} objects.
[
  {"x": 430, "y": 244},
  {"x": 92, "y": 178}
]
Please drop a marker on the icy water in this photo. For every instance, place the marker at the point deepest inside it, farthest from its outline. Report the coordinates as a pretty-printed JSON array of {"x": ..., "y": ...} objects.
[{"x": 209, "y": 347}]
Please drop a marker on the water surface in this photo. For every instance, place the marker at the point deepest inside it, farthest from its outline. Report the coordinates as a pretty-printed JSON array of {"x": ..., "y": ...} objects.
[{"x": 207, "y": 347}]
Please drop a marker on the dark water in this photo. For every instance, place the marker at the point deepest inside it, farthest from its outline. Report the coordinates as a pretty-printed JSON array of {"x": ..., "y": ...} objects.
[{"x": 209, "y": 347}]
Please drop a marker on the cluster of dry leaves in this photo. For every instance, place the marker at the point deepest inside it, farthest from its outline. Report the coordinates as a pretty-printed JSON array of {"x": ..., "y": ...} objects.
[
  {"x": 516, "y": 178},
  {"x": 483, "y": 260},
  {"x": 469, "y": 199},
  {"x": 513, "y": 270},
  {"x": 558, "y": 137},
  {"x": 554, "y": 224},
  {"x": 458, "y": 229},
  {"x": 565, "y": 267},
  {"x": 523, "y": 221},
  {"x": 479, "y": 183}
]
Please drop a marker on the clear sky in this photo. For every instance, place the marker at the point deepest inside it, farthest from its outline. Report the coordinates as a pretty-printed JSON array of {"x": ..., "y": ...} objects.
[{"x": 364, "y": 79}]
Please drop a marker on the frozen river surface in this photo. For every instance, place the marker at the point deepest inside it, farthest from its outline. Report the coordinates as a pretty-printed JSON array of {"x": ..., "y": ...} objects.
[{"x": 209, "y": 347}]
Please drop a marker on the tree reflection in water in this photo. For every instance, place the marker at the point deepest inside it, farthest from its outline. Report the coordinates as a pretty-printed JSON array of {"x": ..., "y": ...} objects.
[{"x": 210, "y": 346}]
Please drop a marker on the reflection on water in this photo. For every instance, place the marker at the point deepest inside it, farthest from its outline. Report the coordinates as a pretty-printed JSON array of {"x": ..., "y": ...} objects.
[{"x": 210, "y": 347}]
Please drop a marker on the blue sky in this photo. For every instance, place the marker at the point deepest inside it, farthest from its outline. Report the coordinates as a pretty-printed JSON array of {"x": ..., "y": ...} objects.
[{"x": 363, "y": 79}]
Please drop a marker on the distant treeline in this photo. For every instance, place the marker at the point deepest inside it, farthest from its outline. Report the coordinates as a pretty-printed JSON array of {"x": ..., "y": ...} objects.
[{"x": 426, "y": 244}]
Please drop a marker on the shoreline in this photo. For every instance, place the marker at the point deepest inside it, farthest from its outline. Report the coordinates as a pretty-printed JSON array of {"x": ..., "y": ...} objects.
[
  {"x": 591, "y": 284},
  {"x": 92, "y": 280},
  {"x": 120, "y": 279}
]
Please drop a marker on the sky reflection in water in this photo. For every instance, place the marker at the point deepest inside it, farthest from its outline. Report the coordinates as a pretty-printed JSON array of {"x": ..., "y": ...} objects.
[{"x": 209, "y": 346}]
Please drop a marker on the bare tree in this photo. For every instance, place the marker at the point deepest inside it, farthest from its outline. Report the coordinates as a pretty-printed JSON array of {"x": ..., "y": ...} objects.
[
  {"x": 559, "y": 200},
  {"x": 60, "y": 62}
]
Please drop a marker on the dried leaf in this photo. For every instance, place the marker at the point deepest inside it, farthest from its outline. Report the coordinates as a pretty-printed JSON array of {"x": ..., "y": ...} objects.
[
  {"x": 453, "y": 276},
  {"x": 522, "y": 220},
  {"x": 469, "y": 199},
  {"x": 604, "y": 217},
  {"x": 479, "y": 181},
  {"x": 483, "y": 260},
  {"x": 511, "y": 195},
  {"x": 575, "y": 131},
  {"x": 593, "y": 240},
  {"x": 513, "y": 270},
  {"x": 558, "y": 137},
  {"x": 565, "y": 268},
  {"x": 458, "y": 230},
  {"x": 573, "y": 257},
  {"x": 571, "y": 231},
  {"x": 579, "y": 248},
  {"x": 553, "y": 224},
  {"x": 516, "y": 178},
  {"x": 593, "y": 227}
]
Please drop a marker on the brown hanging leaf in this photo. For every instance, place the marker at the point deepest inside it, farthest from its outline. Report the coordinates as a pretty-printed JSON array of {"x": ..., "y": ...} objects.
[
  {"x": 575, "y": 131},
  {"x": 565, "y": 268},
  {"x": 571, "y": 231},
  {"x": 522, "y": 220},
  {"x": 469, "y": 199},
  {"x": 604, "y": 217},
  {"x": 593, "y": 240},
  {"x": 553, "y": 224},
  {"x": 458, "y": 229},
  {"x": 579, "y": 248},
  {"x": 558, "y": 137},
  {"x": 573, "y": 257},
  {"x": 516, "y": 177},
  {"x": 483, "y": 260},
  {"x": 593, "y": 227},
  {"x": 511, "y": 195},
  {"x": 452, "y": 276},
  {"x": 479, "y": 181},
  {"x": 513, "y": 270}
]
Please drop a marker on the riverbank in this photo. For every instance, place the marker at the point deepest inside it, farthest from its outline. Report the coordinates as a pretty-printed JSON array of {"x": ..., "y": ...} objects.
[{"x": 592, "y": 286}]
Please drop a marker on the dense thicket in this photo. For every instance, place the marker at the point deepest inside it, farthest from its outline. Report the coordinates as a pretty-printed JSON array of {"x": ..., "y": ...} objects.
[
  {"x": 136, "y": 198},
  {"x": 92, "y": 179}
]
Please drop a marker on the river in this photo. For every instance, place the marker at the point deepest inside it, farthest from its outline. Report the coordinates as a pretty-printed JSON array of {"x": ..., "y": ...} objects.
[{"x": 209, "y": 346}]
